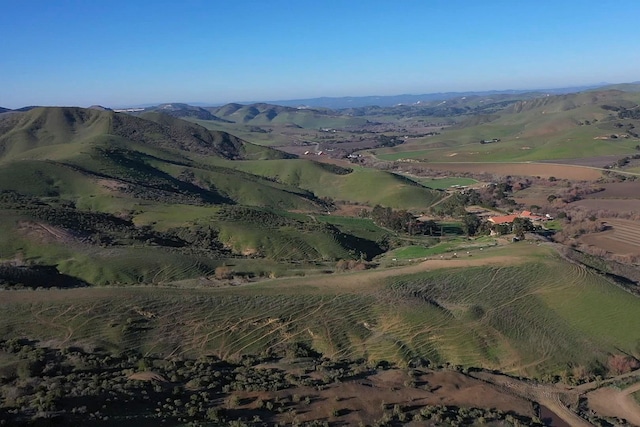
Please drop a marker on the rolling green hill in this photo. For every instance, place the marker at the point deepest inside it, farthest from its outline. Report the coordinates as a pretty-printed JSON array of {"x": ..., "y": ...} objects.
[
  {"x": 183, "y": 111},
  {"x": 53, "y": 126},
  {"x": 552, "y": 127},
  {"x": 69, "y": 174},
  {"x": 265, "y": 114},
  {"x": 368, "y": 186}
]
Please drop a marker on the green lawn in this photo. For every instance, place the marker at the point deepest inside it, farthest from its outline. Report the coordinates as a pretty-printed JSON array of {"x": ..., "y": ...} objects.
[{"x": 448, "y": 246}]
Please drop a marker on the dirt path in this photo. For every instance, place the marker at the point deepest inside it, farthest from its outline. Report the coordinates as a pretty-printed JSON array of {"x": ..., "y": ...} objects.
[
  {"x": 46, "y": 232},
  {"x": 605, "y": 401},
  {"x": 448, "y": 196},
  {"x": 616, "y": 403},
  {"x": 552, "y": 397},
  {"x": 359, "y": 280}
]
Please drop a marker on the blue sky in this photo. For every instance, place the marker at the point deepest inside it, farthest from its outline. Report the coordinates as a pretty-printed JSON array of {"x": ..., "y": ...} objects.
[{"x": 121, "y": 53}]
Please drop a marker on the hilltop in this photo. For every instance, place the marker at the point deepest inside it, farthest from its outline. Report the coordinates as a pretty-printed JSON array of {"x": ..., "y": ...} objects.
[
  {"x": 173, "y": 193},
  {"x": 49, "y": 126},
  {"x": 184, "y": 110}
]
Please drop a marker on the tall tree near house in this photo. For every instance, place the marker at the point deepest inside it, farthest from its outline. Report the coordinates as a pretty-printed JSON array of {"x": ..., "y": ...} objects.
[
  {"x": 521, "y": 226},
  {"x": 471, "y": 224}
]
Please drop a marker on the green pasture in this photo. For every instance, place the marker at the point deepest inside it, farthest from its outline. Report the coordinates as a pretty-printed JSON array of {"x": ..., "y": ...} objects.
[
  {"x": 447, "y": 246},
  {"x": 361, "y": 227}
]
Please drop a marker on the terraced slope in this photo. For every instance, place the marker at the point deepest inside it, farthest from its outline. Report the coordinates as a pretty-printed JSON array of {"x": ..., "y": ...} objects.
[{"x": 525, "y": 312}]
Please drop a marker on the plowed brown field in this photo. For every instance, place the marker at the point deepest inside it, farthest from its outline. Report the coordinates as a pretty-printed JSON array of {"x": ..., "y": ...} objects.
[
  {"x": 544, "y": 170},
  {"x": 623, "y": 238}
]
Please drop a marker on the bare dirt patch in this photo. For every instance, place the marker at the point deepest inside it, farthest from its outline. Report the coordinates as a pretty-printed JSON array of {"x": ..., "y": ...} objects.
[
  {"x": 535, "y": 195},
  {"x": 543, "y": 170},
  {"x": 364, "y": 400},
  {"x": 559, "y": 401},
  {"x": 112, "y": 185},
  {"x": 347, "y": 210},
  {"x": 46, "y": 233},
  {"x": 618, "y": 190},
  {"x": 616, "y": 403},
  {"x": 597, "y": 162}
]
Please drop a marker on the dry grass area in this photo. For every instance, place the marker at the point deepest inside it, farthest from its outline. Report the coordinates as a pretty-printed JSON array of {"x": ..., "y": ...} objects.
[
  {"x": 344, "y": 209},
  {"x": 543, "y": 170},
  {"x": 147, "y": 376}
]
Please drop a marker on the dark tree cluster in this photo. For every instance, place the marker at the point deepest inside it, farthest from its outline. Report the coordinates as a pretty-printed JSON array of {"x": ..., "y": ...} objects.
[{"x": 402, "y": 221}]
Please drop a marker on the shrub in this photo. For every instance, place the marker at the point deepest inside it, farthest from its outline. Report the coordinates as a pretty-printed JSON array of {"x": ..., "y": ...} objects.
[
  {"x": 223, "y": 272},
  {"x": 620, "y": 364}
]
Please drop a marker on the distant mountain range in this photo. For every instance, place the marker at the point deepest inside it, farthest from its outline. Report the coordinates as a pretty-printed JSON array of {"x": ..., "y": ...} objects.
[
  {"x": 392, "y": 100},
  {"x": 208, "y": 110}
]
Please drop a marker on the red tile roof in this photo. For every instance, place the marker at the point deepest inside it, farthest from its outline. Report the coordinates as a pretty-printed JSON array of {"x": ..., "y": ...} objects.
[{"x": 507, "y": 219}]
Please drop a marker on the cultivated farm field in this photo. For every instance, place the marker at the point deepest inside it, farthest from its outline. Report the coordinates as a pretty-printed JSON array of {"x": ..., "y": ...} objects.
[
  {"x": 623, "y": 237},
  {"x": 544, "y": 170}
]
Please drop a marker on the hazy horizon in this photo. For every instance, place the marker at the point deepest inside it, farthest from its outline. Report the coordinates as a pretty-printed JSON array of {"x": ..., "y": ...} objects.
[
  {"x": 220, "y": 103},
  {"x": 137, "y": 53}
]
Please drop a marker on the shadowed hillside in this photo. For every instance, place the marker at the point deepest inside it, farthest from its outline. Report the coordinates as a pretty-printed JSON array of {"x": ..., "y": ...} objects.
[{"x": 49, "y": 126}]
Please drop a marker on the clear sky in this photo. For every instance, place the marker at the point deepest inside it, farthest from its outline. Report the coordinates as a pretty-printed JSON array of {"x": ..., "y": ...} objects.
[{"x": 122, "y": 53}]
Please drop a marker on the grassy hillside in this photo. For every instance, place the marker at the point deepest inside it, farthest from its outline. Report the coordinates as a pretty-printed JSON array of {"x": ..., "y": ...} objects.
[
  {"x": 362, "y": 185},
  {"x": 553, "y": 127},
  {"x": 180, "y": 110},
  {"x": 99, "y": 158},
  {"x": 535, "y": 315},
  {"x": 265, "y": 114},
  {"x": 150, "y": 198},
  {"x": 156, "y": 243}
]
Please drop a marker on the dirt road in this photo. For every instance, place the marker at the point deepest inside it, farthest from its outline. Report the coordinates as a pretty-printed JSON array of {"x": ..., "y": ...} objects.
[{"x": 616, "y": 403}]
